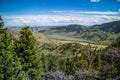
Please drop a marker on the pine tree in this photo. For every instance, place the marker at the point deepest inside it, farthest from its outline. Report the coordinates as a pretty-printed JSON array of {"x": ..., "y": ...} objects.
[
  {"x": 10, "y": 67},
  {"x": 1, "y": 26},
  {"x": 9, "y": 63},
  {"x": 1, "y": 22},
  {"x": 27, "y": 52}
]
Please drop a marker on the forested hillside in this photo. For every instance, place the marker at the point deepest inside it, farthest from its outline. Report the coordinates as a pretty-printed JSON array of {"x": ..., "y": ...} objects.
[
  {"x": 112, "y": 27},
  {"x": 25, "y": 57}
]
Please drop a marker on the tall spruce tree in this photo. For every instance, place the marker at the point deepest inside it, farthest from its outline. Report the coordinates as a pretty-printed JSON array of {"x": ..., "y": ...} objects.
[
  {"x": 1, "y": 22},
  {"x": 9, "y": 63},
  {"x": 27, "y": 52},
  {"x": 6, "y": 57},
  {"x": 1, "y": 26}
]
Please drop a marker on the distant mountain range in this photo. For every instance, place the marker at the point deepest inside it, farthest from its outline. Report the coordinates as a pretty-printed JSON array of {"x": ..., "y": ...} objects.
[
  {"x": 104, "y": 33},
  {"x": 101, "y": 34},
  {"x": 109, "y": 27}
]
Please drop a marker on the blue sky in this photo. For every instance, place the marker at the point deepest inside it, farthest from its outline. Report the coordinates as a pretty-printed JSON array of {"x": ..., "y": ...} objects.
[{"x": 58, "y": 12}]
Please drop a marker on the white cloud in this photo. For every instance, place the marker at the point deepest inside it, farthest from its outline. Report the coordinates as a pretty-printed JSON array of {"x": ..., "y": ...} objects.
[
  {"x": 70, "y": 17},
  {"x": 100, "y": 13},
  {"x": 86, "y": 12},
  {"x": 94, "y": 0}
]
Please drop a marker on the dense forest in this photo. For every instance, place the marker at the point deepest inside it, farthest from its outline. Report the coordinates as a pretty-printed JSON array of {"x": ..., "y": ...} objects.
[{"x": 25, "y": 58}]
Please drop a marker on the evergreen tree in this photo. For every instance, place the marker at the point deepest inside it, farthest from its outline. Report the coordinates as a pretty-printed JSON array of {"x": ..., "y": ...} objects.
[
  {"x": 1, "y": 22},
  {"x": 1, "y": 26},
  {"x": 9, "y": 63},
  {"x": 27, "y": 52}
]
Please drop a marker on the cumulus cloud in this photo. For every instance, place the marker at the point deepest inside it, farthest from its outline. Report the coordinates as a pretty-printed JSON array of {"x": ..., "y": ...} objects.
[
  {"x": 94, "y": 0},
  {"x": 84, "y": 18}
]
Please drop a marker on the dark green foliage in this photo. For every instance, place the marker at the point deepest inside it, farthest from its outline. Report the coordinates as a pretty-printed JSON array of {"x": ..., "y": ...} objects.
[
  {"x": 93, "y": 64},
  {"x": 111, "y": 27},
  {"x": 1, "y": 23},
  {"x": 1, "y": 26},
  {"x": 26, "y": 50},
  {"x": 67, "y": 58},
  {"x": 116, "y": 43},
  {"x": 9, "y": 64},
  {"x": 19, "y": 60},
  {"x": 110, "y": 68},
  {"x": 7, "y": 54}
]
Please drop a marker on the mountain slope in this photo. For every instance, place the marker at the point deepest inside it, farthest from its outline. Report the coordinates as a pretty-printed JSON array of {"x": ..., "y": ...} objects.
[
  {"x": 111, "y": 27},
  {"x": 71, "y": 28},
  {"x": 104, "y": 33}
]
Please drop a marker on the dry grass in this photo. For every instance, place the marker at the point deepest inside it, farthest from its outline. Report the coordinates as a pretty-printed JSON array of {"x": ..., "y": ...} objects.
[{"x": 41, "y": 39}]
